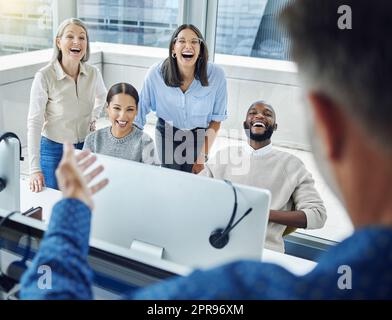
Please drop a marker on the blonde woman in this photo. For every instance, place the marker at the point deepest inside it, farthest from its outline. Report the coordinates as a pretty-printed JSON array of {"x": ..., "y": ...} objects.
[{"x": 67, "y": 96}]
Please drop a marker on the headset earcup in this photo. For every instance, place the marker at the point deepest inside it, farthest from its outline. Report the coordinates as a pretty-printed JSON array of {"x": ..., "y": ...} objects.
[
  {"x": 16, "y": 269},
  {"x": 12, "y": 276},
  {"x": 218, "y": 240},
  {"x": 3, "y": 184},
  {"x": 12, "y": 135}
]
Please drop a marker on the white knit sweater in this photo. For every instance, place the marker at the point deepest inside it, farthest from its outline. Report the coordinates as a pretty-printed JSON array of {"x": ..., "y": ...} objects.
[{"x": 291, "y": 185}]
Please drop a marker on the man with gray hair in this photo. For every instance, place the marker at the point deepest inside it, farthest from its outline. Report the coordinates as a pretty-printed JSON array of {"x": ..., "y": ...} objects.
[
  {"x": 295, "y": 202},
  {"x": 347, "y": 79}
]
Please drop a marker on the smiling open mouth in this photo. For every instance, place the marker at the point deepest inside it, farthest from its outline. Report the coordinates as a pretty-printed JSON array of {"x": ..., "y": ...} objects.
[
  {"x": 75, "y": 50},
  {"x": 187, "y": 55},
  {"x": 122, "y": 123},
  {"x": 258, "y": 125}
]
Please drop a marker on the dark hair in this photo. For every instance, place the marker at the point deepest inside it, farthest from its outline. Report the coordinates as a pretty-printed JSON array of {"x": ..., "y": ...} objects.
[
  {"x": 122, "y": 87},
  {"x": 264, "y": 103},
  {"x": 350, "y": 66},
  {"x": 170, "y": 71}
]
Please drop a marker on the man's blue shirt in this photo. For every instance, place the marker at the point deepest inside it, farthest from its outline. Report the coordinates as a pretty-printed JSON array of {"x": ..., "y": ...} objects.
[{"x": 358, "y": 268}]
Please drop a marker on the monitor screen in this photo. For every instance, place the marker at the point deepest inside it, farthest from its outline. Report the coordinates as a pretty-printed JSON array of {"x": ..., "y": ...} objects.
[{"x": 170, "y": 215}]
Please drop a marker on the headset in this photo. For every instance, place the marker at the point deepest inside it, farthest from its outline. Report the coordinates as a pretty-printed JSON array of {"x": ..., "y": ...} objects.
[
  {"x": 219, "y": 238},
  {"x": 15, "y": 269},
  {"x": 4, "y": 136}
]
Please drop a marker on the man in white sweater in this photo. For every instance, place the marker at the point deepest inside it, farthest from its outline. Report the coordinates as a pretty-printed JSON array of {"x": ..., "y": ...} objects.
[{"x": 295, "y": 201}]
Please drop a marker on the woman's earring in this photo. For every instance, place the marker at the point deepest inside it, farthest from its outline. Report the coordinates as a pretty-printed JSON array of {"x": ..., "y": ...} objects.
[{"x": 173, "y": 55}]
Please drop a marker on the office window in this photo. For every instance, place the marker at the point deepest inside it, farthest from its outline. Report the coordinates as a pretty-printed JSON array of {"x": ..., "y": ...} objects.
[
  {"x": 138, "y": 22},
  {"x": 25, "y": 25},
  {"x": 250, "y": 28}
]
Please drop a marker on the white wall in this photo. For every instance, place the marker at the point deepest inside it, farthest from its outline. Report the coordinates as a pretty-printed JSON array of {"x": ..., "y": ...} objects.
[
  {"x": 14, "y": 107},
  {"x": 16, "y": 76}
]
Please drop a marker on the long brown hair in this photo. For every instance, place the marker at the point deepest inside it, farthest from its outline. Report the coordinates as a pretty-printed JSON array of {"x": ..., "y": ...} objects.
[{"x": 171, "y": 73}]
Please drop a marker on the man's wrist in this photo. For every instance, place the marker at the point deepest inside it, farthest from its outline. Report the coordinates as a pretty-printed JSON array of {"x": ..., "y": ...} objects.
[{"x": 80, "y": 195}]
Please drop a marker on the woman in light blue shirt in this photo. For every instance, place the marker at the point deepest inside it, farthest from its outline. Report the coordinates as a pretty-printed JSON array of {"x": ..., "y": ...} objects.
[{"x": 189, "y": 96}]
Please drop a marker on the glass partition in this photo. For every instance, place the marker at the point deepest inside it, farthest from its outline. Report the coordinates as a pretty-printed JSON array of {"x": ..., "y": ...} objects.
[
  {"x": 137, "y": 22},
  {"x": 249, "y": 28},
  {"x": 25, "y": 25}
]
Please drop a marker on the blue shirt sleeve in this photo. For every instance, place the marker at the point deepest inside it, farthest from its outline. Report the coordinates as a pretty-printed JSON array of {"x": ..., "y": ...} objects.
[
  {"x": 219, "y": 112},
  {"x": 64, "y": 249},
  {"x": 237, "y": 280},
  {"x": 146, "y": 99},
  {"x": 60, "y": 269}
]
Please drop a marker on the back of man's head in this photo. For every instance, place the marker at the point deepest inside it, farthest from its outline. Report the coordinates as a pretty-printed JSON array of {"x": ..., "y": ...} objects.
[{"x": 343, "y": 50}]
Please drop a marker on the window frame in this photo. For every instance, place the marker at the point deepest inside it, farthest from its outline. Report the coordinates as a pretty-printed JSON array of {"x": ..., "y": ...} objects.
[{"x": 202, "y": 13}]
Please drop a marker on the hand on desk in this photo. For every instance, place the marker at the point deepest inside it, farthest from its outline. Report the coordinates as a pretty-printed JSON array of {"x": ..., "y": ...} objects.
[
  {"x": 37, "y": 182},
  {"x": 70, "y": 178},
  {"x": 197, "y": 168}
]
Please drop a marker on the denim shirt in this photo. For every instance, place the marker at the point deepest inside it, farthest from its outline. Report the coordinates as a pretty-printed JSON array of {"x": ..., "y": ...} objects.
[{"x": 358, "y": 268}]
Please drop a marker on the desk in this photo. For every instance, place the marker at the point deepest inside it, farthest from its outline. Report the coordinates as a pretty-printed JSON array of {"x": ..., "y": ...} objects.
[
  {"x": 45, "y": 199},
  {"x": 296, "y": 265},
  {"x": 48, "y": 197}
]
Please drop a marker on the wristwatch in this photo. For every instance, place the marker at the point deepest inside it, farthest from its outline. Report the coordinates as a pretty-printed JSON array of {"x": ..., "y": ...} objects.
[{"x": 205, "y": 156}]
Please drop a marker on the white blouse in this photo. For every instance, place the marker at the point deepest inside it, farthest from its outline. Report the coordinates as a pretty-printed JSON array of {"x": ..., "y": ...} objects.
[{"x": 62, "y": 109}]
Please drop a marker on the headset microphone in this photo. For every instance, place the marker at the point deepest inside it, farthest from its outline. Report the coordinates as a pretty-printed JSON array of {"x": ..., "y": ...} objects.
[
  {"x": 219, "y": 238},
  {"x": 15, "y": 269}
]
